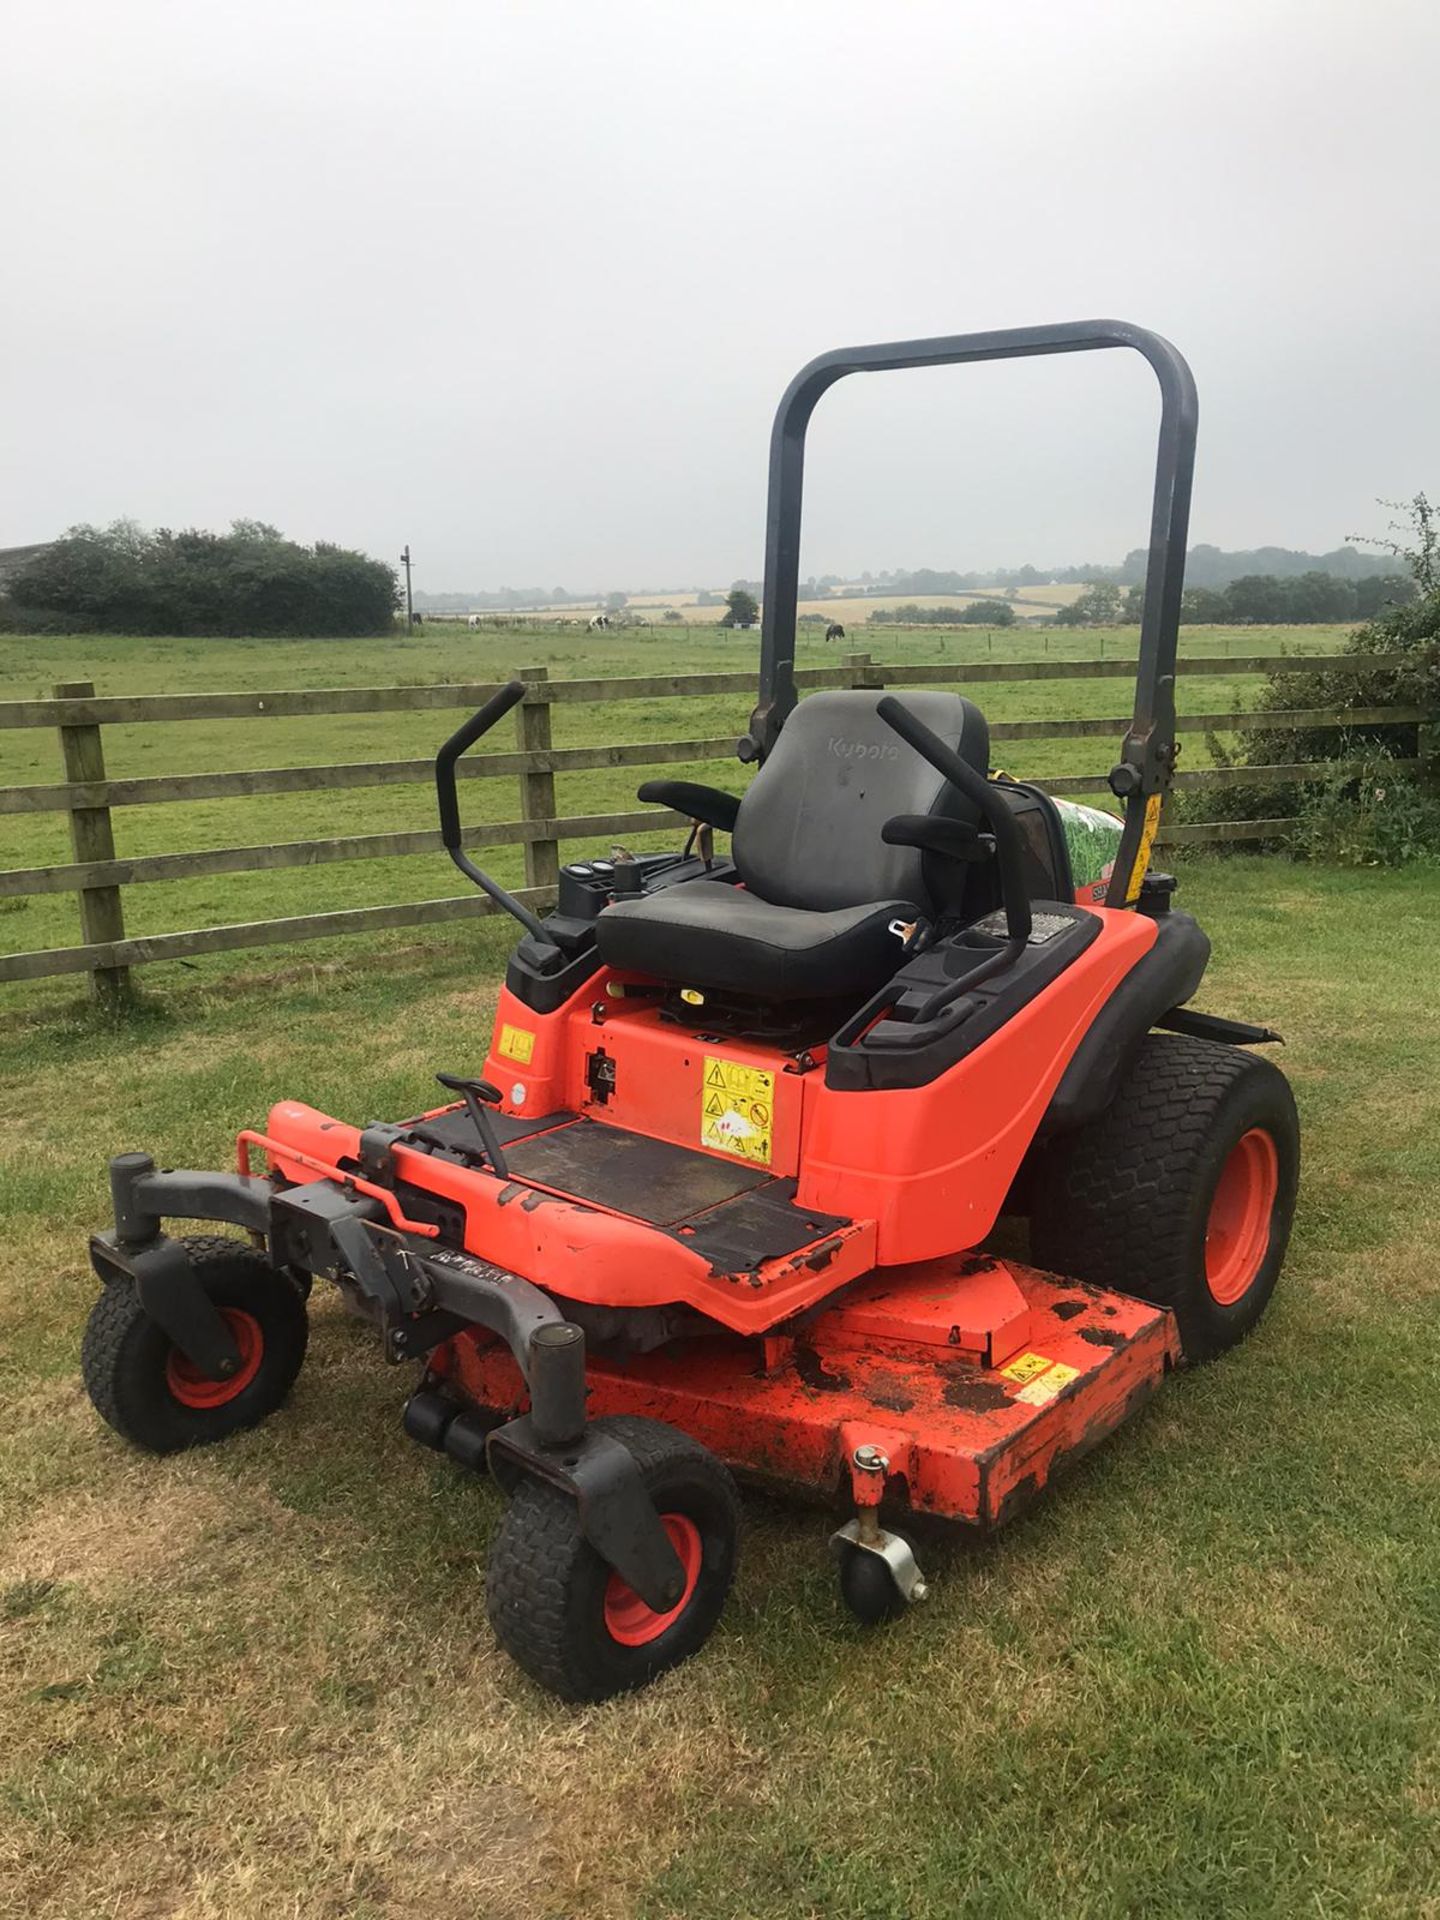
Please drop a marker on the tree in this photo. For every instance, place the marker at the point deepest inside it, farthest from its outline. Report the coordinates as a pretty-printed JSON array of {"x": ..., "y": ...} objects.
[
  {"x": 1202, "y": 607},
  {"x": 742, "y": 609},
  {"x": 1421, "y": 526},
  {"x": 123, "y": 579},
  {"x": 988, "y": 613},
  {"x": 1099, "y": 603},
  {"x": 1255, "y": 596}
]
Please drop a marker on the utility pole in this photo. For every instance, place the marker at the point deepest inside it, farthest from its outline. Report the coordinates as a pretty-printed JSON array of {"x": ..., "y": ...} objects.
[{"x": 409, "y": 600}]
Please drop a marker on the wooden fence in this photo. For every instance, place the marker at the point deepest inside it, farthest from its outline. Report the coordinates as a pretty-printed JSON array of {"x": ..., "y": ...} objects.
[{"x": 88, "y": 796}]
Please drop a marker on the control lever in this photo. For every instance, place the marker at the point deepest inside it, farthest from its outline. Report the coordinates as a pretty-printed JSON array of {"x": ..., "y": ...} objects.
[
  {"x": 932, "y": 833},
  {"x": 463, "y": 738},
  {"x": 1009, "y": 852},
  {"x": 473, "y": 1092}
]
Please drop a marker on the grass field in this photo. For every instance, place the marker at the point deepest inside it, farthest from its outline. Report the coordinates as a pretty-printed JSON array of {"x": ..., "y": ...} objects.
[
  {"x": 31, "y": 667},
  {"x": 1198, "y": 1681}
]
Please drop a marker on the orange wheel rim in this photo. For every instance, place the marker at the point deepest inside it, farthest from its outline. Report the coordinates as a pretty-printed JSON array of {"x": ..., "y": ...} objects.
[
  {"x": 627, "y": 1618},
  {"x": 1237, "y": 1235},
  {"x": 195, "y": 1389}
]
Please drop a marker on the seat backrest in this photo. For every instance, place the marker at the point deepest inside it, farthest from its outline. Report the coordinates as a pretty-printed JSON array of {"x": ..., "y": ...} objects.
[{"x": 808, "y": 831}]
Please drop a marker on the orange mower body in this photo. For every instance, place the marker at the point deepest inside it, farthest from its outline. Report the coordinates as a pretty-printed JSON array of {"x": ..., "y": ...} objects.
[{"x": 722, "y": 1200}]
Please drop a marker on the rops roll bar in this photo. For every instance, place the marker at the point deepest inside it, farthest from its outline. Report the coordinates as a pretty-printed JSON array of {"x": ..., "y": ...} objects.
[{"x": 1147, "y": 754}]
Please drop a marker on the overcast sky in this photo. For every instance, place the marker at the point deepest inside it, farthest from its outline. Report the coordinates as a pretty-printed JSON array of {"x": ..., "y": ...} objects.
[{"x": 522, "y": 283}]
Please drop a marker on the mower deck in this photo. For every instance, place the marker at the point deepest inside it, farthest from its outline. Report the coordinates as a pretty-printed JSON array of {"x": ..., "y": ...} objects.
[{"x": 977, "y": 1379}]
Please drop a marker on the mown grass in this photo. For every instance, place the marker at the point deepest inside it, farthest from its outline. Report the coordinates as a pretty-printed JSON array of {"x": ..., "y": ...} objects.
[
  {"x": 31, "y": 667},
  {"x": 1198, "y": 1680}
]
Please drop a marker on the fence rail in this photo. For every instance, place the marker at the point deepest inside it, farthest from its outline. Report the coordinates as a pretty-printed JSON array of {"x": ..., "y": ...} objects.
[{"x": 97, "y": 874}]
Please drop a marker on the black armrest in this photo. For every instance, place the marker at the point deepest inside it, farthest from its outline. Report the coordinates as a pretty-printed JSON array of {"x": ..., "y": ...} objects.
[
  {"x": 706, "y": 804},
  {"x": 933, "y": 833}
]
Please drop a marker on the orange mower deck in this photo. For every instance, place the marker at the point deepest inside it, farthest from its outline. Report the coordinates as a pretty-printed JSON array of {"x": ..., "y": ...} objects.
[{"x": 979, "y": 1379}]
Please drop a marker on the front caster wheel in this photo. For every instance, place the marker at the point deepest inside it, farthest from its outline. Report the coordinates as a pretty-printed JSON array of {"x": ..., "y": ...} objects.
[
  {"x": 877, "y": 1582},
  {"x": 565, "y": 1616},
  {"x": 152, "y": 1395},
  {"x": 868, "y": 1588}
]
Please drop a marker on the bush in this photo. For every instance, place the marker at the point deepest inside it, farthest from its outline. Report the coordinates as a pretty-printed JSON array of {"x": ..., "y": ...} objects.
[
  {"x": 1368, "y": 812},
  {"x": 1368, "y": 816},
  {"x": 123, "y": 579},
  {"x": 980, "y": 613}
]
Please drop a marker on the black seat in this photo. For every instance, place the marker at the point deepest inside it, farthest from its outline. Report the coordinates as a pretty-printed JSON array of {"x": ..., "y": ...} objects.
[{"x": 821, "y": 889}]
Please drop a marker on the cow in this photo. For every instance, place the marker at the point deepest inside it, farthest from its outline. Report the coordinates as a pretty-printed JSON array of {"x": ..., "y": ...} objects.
[
  {"x": 835, "y": 631},
  {"x": 598, "y": 623},
  {"x": 473, "y": 621}
]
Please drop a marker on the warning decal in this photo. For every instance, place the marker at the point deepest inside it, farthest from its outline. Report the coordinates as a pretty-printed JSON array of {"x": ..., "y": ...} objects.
[
  {"x": 1025, "y": 1366},
  {"x": 737, "y": 1108},
  {"x": 516, "y": 1043},
  {"x": 1046, "y": 1386}
]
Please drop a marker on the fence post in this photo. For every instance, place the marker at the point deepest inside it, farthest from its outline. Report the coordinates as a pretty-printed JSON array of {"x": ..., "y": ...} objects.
[
  {"x": 92, "y": 837},
  {"x": 861, "y": 670},
  {"x": 1427, "y": 747},
  {"x": 537, "y": 790}
]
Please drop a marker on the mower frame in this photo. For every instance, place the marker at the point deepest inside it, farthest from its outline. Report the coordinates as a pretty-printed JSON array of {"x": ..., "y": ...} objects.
[{"x": 418, "y": 1294}]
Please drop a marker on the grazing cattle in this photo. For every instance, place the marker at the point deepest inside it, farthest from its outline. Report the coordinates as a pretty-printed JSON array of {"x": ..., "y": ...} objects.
[
  {"x": 835, "y": 631},
  {"x": 598, "y": 623},
  {"x": 473, "y": 620}
]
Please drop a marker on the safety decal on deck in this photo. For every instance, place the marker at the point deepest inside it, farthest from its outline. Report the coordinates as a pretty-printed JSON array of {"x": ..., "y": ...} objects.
[
  {"x": 517, "y": 1043},
  {"x": 737, "y": 1108},
  {"x": 1046, "y": 1386},
  {"x": 1025, "y": 1366}
]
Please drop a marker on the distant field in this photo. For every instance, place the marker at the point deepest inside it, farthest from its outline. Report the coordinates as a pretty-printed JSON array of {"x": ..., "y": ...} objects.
[
  {"x": 1029, "y": 601},
  {"x": 31, "y": 667}
]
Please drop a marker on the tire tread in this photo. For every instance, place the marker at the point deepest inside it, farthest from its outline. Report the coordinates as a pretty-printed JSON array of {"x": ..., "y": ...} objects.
[{"x": 1117, "y": 1195}]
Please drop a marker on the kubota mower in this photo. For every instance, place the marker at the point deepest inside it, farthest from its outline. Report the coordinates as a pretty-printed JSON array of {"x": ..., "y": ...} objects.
[{"x": 719, "y": 1195}]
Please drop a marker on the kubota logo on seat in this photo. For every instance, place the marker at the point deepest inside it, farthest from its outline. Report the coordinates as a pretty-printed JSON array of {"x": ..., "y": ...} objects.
[{"x": 863, "y": 749}]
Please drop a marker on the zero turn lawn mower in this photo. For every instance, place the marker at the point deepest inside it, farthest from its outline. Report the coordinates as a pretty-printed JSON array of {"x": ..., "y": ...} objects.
[{"x": 718, "y": 1197}]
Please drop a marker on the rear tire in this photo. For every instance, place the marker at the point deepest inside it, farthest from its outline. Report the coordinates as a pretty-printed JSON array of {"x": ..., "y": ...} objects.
[
  {"x": 565, "y": 1616},
  {"x": 151, "y": 1395},
  {"x": 1183, "y": 1193}
]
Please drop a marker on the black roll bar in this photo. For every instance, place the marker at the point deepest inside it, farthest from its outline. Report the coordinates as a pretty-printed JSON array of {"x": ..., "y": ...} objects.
[{"x": 1148, "y": 751}]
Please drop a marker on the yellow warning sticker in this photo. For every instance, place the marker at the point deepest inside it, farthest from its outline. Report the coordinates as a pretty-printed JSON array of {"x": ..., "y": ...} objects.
[
  {"x": 1025, "y": 1366},
  {"x": 1046, "y": 1386},
  {"x": 517, "y": 1043},
  {"x": 737, "y": 1108},
  {"x": 1147, "y": 841}
]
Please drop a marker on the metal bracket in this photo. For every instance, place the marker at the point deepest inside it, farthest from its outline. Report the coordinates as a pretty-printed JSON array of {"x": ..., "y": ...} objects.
[
  {"x": 617, "y": 1516},
  {"x": 897, "y": 1554},
  {"x": 168, "y": 1291}
]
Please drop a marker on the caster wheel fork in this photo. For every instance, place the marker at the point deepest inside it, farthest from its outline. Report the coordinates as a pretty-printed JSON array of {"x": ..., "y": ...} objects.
[{"x": 879, "y": 1575}]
